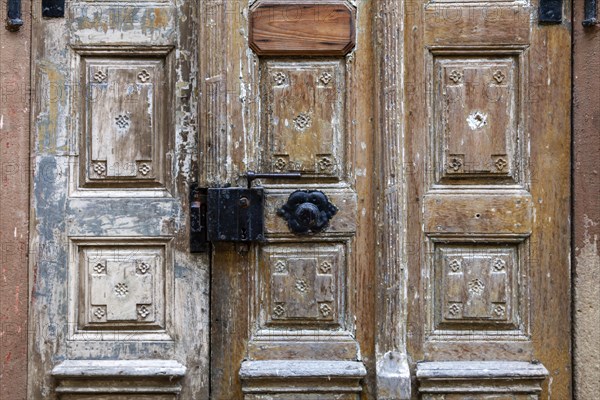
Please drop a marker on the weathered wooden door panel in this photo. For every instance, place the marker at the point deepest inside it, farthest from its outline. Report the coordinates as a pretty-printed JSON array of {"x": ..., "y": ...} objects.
[
  {"x": 291, "y": 318},
  {"x": 118, "y": 303},
  {"x": 487, "y": 140}
]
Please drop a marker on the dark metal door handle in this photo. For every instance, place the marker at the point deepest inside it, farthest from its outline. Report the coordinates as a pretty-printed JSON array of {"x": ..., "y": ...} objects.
[
  {"x": 13, "y": 19},
  {"x": 590, "y": 13}
]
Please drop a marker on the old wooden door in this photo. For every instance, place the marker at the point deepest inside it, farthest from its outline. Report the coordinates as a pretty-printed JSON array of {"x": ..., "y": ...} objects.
[
  {"x": 422, "y": 253},
  {"x": 486, "y": 113},
  {"x": 138, "y": 101},
  {"x": 114, "y": 287},
  {"x": 292, "y": 92}
]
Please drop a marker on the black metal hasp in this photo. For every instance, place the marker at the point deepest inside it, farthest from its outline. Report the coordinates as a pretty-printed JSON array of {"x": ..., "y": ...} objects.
[
  {"x": 590, "y": 13},
  {"x": 13, "y": 17},
  {"x": 550, "y": 11},
  {"x": 53, "y": 8},
  {"x": 229, "y": 214},
  {"x": 307, "y": 211}
]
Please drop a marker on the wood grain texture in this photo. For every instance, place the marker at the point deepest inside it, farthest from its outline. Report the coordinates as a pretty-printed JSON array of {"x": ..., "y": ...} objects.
[{"x": 302, "y": 28}]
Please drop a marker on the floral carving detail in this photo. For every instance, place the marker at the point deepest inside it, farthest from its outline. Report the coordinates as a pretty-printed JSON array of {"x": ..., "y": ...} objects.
[
  {"x": 301, "y": 285},
  {"x": 501, "y": 164},
  {"x": 279, "y": 78},
  {"x": 325, "y": 309},
  {"x": 280, "y": 267},
  {"x": 499, "y": 310},
  {"x": 455, "y": 76},
  {"x": 454, "y": 309},
  {"x": 476, "y": 286},
  {"x": 123, "y": 121},
  {"x": 143, "y": 311},
  {"x": 455, "y": 265},
  {"x": 499, "y": 76},
  {"x": 280, "y": 164},
  {"x": 302, "y": 121},
  {"x": 99, "y": 168},
  {"x": 325, "y": 163},
  {"x": 325, "y": 78},
  {"x": 279, "y": 310},
  {"x": 455, "y": 164},
  {"x": 142, "y": 268},
  {"x": 499, "y": 264},
  {"x": 325, "y": 267},
  {"x": 121, "y": 290},
  {"x": 144, "y": 169},
  {"x": 99, "y": 313},
  {"x": 100, "y": 76},
  {"x": 143, "y": 76},
  {"x": 100, "y": 268}
]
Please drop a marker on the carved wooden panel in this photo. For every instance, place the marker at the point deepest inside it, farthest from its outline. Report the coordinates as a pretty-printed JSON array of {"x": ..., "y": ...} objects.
[
  {"x": 324, "y": 27},
  {"x": 303, "y": 119},
  {"x": 476, "y": 286},
  {"x": 303, "y": 283},
  {"x": 126, "y": 136},
  {"x": 120, "y": 287},
  {"x": 475, "y": 103}
]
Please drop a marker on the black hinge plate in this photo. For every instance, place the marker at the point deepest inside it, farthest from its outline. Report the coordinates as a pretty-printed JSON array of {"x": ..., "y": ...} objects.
[
  {"x": 53, "y": 8},
  {"x": 550, "y": 11},
  {"x": 235, "y": 215}
]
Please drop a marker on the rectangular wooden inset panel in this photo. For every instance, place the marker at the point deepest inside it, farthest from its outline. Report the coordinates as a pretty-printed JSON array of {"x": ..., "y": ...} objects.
[
  {"x": 303, "y": 117},
  {"x": 508, "y": 214},
  {"x": 476, "y": 114},
  {"x": 302, "y": 28},
  {"x": 475, "y": 285},
  {"x": 303, "y": 283},
  {"x": 125, "y": 105},
  {"x": 120, "y": 287}
]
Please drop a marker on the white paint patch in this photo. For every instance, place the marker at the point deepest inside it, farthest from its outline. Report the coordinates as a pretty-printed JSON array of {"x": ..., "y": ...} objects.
[
  {"x": 363, "y": 145},
  {"x": 1, "y": 121},
  {"x": 477, "y": 120}
]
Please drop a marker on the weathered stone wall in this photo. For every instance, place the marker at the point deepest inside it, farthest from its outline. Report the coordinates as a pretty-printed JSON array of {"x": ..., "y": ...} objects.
[
  {"x": 586, "y": 213},
  {"x": 14, "y": 204}
]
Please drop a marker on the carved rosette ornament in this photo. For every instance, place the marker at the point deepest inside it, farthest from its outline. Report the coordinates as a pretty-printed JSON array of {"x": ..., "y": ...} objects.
[
  {"x": 325, "y": 78},
  {"x": 455, "y": 164},
  {"x": 456, "y": 76},
  {"x": 143, "y": 76},
  {"x": 307, "y": 211},
  {"x": 279, "y": 78},
  {"x": 302, "y": 121},
  {"x": 499, "y": 76},
  {"x": 100, "y": 76}
]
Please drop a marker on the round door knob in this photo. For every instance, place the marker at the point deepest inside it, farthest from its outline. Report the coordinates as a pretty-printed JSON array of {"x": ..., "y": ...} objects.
[{"x": 307, "y": 211}]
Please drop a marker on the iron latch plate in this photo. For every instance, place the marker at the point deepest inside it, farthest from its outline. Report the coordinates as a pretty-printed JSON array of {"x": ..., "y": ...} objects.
[{"x": 235, "y": 214}]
